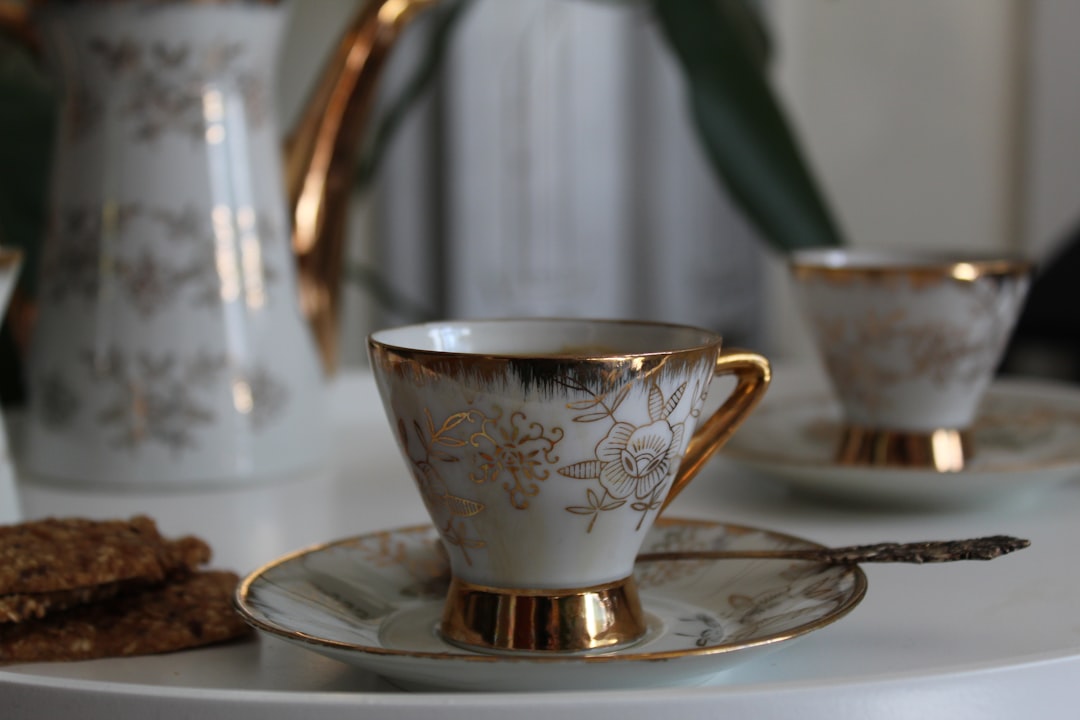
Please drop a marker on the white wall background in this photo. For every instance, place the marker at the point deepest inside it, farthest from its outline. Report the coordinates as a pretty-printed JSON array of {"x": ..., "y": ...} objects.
[
  {"x": 929, "y": 122},
  {"x": 912, "y": 113},
  {"x": 573, "y": 183},
  {"x": 1050, "y": 172}
]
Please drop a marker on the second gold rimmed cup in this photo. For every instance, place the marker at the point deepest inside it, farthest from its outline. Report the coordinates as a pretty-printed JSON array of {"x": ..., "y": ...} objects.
[
  {"x": 544, "y": 450},
  {"x": 910, "y": 342}
]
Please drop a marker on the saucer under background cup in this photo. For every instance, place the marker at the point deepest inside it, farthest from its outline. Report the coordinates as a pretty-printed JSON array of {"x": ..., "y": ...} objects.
[
  {"x": 910, "y": 340},
  {"x": 1025, "y": 432}
]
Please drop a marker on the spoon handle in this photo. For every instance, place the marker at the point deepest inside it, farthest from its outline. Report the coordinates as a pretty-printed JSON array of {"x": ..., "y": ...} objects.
[{"x": 985, "y": 548}]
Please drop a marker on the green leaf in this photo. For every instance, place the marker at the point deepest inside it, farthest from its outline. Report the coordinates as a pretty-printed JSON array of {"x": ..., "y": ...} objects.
[
  {"x": 444, "y": 16},
  {"x": 27, "y": 120},
  {"x": 740, "y": 122}
]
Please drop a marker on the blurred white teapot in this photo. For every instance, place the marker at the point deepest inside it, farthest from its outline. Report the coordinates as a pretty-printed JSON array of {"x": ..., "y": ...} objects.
[{"x": 170, "y": 346}]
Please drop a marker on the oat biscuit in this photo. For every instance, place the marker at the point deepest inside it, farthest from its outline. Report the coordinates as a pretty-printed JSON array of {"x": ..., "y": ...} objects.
[
  {"x": 51, "y": 564},
  {"x": 189, "y": 611},
  {"x": 61, "y": 554}
]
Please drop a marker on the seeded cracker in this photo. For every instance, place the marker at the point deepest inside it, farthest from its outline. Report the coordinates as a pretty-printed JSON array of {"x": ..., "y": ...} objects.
[
  {"x": 61, "y": 554},
  {"x": 51, "y": 564},
  {"x": 186, "y": 612}
]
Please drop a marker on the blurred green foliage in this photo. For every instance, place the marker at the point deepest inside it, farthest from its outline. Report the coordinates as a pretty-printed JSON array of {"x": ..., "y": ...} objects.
[
  {"x": 721, "y": 46},
  {"x": 723, "y": 49},
  {"x": 27, "y": 122}
]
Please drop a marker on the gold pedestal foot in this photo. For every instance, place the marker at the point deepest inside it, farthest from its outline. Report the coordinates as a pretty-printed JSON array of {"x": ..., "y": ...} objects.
[
  {"x": 944, "y": 450},
  {"x": 505, "y": 620}
]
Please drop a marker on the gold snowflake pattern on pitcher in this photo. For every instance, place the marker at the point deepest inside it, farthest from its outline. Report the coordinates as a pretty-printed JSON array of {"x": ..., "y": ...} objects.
[
  {"x": 182, "y": 269},
  {"x": 152, "y": 398},
  {"x": 165, "y": 89}
]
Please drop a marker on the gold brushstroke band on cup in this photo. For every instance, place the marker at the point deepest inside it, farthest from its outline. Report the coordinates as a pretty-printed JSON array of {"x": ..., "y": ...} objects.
[
  {"x": 600, "y": 617},
  {"x": 945, "y": 450}
]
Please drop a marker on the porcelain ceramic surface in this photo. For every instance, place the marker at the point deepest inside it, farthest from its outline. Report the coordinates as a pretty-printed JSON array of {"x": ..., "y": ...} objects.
[
  {"x": 169, "y": 348},
  {"x": 374, "y": 601},
  {"x": 495, "y": 452},
  {"x": 910, "y": 342},
  {"x": 544, "y": 449},
  {"x": 1025, "y": 441}
]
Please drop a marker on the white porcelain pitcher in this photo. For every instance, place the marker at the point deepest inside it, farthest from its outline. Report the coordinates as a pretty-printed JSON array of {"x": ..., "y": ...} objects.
[
  {"x": 169, "y": 348},
  {"x": 173, "y": 344}
]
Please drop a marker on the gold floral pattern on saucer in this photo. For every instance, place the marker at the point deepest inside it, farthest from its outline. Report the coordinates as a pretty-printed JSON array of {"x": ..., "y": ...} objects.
[{"x": 374, "y": 601}]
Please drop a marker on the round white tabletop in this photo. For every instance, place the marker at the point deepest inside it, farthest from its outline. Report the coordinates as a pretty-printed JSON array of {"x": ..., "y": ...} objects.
[{"x": 962, "y": 640}]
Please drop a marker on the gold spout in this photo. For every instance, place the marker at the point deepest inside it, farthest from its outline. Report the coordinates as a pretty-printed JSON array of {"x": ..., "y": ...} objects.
[{"x": 320, "y": 158}]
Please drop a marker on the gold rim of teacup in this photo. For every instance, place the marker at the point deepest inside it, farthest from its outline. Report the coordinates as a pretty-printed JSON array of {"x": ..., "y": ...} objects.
[
  {"x": 848, "y": 264},
  {"x": 548, "y": 369},
  {"x": 944, "y": 450},
  {"x": 581, "y": 352},
  {"x": 488, "y": 619}
]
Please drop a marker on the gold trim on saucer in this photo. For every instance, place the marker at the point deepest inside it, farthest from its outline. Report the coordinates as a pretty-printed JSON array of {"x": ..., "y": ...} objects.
[
  {"x": 944, "y": 450},
  {"x": 602, "y": 617}
]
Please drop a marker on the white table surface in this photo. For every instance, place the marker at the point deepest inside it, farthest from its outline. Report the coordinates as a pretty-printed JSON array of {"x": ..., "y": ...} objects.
[{"x": 965, "y": 640}]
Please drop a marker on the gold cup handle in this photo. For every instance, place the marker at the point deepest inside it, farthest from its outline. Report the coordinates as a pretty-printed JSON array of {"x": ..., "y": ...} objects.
[{"x": 752, "y": 375}]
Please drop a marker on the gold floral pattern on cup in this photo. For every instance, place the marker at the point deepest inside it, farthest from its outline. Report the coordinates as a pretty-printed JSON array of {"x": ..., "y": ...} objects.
[{"x": 544, "y": 450}]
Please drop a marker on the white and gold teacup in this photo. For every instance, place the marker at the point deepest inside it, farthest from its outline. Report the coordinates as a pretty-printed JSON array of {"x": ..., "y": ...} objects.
[
  {"x": 910, "y": 342},
  {"x": 544, "y": 450}
]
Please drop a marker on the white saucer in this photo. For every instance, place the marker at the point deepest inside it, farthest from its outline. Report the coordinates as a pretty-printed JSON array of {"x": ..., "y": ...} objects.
[
  {"x": 1026, "y": 438},
  {"x": 374, "y": 601}
]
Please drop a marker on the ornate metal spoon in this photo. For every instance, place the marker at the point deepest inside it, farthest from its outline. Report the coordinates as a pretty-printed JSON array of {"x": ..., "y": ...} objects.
[{"x": 985, "y": 548}]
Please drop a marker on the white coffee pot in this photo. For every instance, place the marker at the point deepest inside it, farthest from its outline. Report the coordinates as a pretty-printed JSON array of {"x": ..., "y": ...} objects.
[{"x": 171, "y": 345}]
